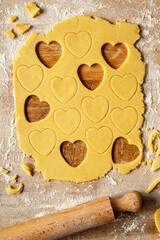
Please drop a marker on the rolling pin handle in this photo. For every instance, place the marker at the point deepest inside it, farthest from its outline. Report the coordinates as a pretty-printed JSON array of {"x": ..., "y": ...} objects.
[{"x": 130, "y": 202}]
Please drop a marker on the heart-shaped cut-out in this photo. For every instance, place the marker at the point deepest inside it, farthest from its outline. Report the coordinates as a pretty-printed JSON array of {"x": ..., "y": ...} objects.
[
  {"x": 124, "y": 119},
  {"x": 92, "y": 76},
  {"x": 67, "y": 121},
  {"x": 35, "y": 110},
  {"x": 123, "y": 152},
  {"x": 115, "y": 55},
  {"x": 64, "y": 89},
  {"x": 30, "y": 77},
  {"x": 78, "y": 43},
  {"x": 99, "y": 103},
  {"x": 74, "y": 153},
  {"x": 124, "y": 87},
  {"x": 43, "y": 142},
  {"x": 99, "y": 139},
  {"x": 49, "y": 54}
]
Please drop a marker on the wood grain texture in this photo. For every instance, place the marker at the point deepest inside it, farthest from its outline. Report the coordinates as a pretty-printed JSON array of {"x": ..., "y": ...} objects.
[
  {"x": 49, "y": 54},
  {"x": 35, "y": 110},
  {"x": 123, "y": 152},
  {"x": 40, "y": 197},
  {"x": 92, "y": 76},
  {"x": 115, "y": 55},
  {"x": 74, "y": 153},
  {"x": 72, "y": 220}
]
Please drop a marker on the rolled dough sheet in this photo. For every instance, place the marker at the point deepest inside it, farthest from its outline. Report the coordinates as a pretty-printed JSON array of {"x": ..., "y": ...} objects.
[{"x": 97, "y": 117}]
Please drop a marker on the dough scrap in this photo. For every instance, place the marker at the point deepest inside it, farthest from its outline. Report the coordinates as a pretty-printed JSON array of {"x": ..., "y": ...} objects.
[
  {"x": 28, "y": 168},
  {"x": 157, "y": 219},
  {"x": 81, "y": 39},
  {"x": 22, "y": 28},
  {"x": 155, "y": 164},
  {"x": 144, "y": 163},
  {"x": 151, "y": 145},
  {"x": 14, "y": 178},
  {"x": 13, "y": 18},
  {"x": 150, "y": 163},
  {"x": 33, "y": 9},
  {"x": 153, "y": 185},
  {"x": 12, "y": 190},
  {"x": 3, "y": 170},
  {"x": 10, "y": 33}
]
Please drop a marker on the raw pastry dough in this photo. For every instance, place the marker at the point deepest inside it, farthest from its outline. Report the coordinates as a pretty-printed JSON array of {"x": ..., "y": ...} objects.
[
  {"x": 14, "y": 178},
  {"x": 12, "y": 190},
  {"x": 13, "y": 18},
  {"x": 153, "y": 185},
  {"x": 144, "y": 163},
  {"x": 157, "y": 219},
  {"x": 3, "y": 170},
  {"x": 33, "y": 9},
  {"x": 28, "y": 168},
  {"x": 10, "y": 33},
  {"x": 97, "y": 117},
  {"x": 151, "y": 145},
  {"x": 22, "y": 28},
  {"x": 155, "y": 164}
]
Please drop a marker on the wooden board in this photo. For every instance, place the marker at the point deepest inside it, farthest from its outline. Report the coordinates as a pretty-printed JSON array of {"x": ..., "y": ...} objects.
[{"x": 40, "y": 197}]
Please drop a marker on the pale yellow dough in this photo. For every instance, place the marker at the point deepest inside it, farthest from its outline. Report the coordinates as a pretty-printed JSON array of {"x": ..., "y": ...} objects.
[
  {"x": 151, "y": 142},
  {"x": 155, "y": 164},
  {"x": 3, "y": 170},
  {"x": 14, "y": 178},
  {"x": 28, "y": 168},
  {"x": 144, "y": 163},
  {"x": 33, "y": 9},
  {"x": 150, "y": 163},
  {"x": 10, "y": 33},
  {"x": 12, "y": 190},
  {"x": 153, "y": 185},
  {"x": 22, "y": 28},
  {"x": 96, "y": 117},
  {"x": 13, "y": 18},
  {"x": 157, "y": 219}
]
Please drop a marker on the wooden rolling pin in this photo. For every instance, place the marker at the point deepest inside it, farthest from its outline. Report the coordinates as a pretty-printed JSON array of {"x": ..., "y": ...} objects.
[{"x": 73, "y": 220}]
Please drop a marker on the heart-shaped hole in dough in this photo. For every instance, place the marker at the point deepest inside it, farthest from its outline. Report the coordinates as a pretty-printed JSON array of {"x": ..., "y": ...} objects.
[
  {"x": 35, "y": 110},
  {"x": 115, "y": 55},
  {"x": 49, "y": 54},
  {"x": 92, "y": 76},
  {"x": 74, "y": 153},
  {"x": 123, "y": 152}
]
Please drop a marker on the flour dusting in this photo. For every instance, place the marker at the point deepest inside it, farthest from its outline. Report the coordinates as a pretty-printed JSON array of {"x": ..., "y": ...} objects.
[{"x": 47, "y": 197}]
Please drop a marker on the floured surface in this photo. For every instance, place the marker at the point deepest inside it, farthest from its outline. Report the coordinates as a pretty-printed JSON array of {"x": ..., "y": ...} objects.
[{"x": 39, "y": 197}]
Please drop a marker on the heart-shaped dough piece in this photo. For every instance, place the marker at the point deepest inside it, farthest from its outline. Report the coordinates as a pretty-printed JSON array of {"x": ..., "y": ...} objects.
[
  {"x": 30, "y": 77},
  {"x": 67, "y": 121},
  {"x": 95, "y": 108},
  {"x": 99, "y": 139},
  {"x": 123, "y": 152},
  {"x": 35, "y": 110},
  {"x": 74, "y": 153},
  {"x": 124, "y": 87},
  {"x": 78, "y": 43},
  {"x": 49, "y": 54},
  {"x": 43, "y": 142},
  {"x": 115, "y": 55},
  {"x": 124, "y": 119},
  {"x": 64, "y": 89}
]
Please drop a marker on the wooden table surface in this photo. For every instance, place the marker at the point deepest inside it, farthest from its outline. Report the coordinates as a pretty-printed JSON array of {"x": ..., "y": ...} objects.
[{"x": 40, "y": 197}]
